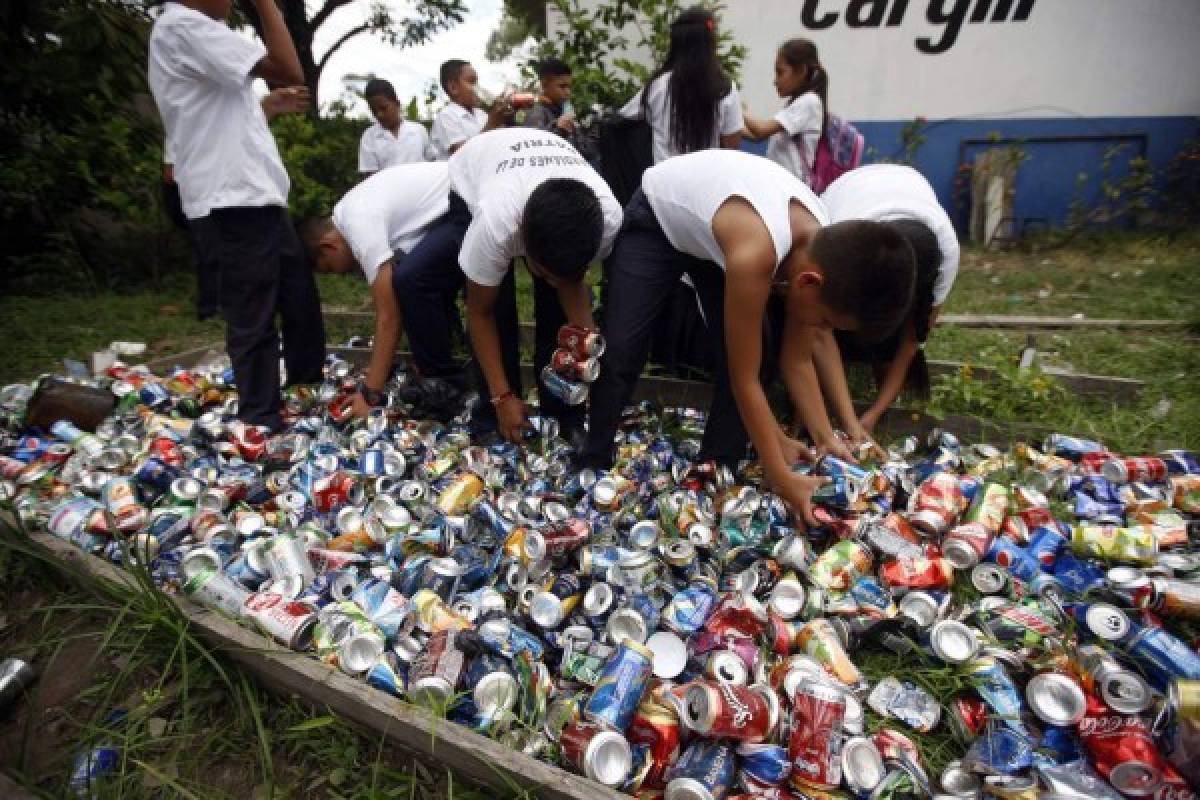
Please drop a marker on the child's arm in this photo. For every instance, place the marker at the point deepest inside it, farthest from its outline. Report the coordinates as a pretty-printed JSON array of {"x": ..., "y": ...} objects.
[
  {"x": 827, "y": 359},
  {"x": 388, "y": 327},
  {"x": 750, "y": 262},
  {"x": 485, "y": 340},
  {"x": 756, "y": 129},
  {"x": 576, "y": 301},
  {"x": 893, "y": 379},
  {"x": 280, "y": 64}
]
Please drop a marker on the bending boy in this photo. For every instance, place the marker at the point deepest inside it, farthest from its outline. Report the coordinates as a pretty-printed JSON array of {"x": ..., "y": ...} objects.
[{"x": 741, "y": 227}]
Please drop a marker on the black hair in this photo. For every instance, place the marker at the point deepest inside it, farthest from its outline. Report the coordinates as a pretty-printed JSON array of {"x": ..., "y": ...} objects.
[
  {"x": 697, "y": 83},
  {"x": 309, "y": 231},
  {"x": 562, "y": 225},
  {"x": 552, "y": 68},
  {"x": 378, "y": 87},
  {"x": 450, "y": 71},
  {"x": 803, "y": 53},
  {"x": 869, "y": 274}
]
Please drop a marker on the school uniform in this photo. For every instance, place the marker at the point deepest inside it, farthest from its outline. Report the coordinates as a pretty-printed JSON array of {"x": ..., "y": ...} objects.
[
  {"x": 795, "y": 147},
  {"x": 389, "y": 213},
  {"x": 491, "y": 179},
  {"x": 379, "y": 148},
  {"x": 658, "y": 100},
  {"x": 667, "y": 234},
  {"x": 233, "y": 189},
  {"x": 889, "y": 192},
  {"x": 453, "y": 125}
]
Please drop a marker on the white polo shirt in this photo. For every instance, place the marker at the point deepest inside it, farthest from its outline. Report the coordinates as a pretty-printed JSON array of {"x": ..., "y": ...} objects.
[
  {"x": 390, "y": 212},
  {"x": 686, "y": 192},
  {"x": 729, "y": 115},
  {"x": 379, "y": 148},
  {"x": 885, "y": 192},
  {"x": 803, "y": 117},
  {"x": 494, "y": 173},
  {"x": 454, "y": 125},
  {"x": 217, "y": 135}
]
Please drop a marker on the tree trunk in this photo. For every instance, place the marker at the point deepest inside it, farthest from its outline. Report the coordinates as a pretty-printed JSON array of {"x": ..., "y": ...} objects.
[{"x": 296, "y": 19}]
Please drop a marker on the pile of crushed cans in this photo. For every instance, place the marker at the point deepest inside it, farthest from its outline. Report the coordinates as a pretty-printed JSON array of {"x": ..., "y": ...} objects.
[{"x": 664, "y": 628}]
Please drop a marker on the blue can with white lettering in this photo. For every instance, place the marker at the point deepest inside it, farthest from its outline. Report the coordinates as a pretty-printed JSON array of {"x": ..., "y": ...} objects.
[
  {"x": 1045, "y": 543},
  {"x": 1164, "y": 657},
  {"x": 622, "y": 683},
  {"x": 1014, "y": 558},
  {"x": 764, "y": 763},
  {"x": 706, "y": 769}
]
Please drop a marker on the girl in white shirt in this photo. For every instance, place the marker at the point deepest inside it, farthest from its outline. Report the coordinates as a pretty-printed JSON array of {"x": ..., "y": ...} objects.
[
  {"x": 689, "y": 103},
  {"x": 794, "y": 132}
]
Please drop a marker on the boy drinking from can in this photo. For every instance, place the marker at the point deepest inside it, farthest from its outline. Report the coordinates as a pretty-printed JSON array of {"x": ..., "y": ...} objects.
[
  {"x": 234, "y": 188},
  {"x": 462, "y": 118},
  {"x": 742, "y": 227}
]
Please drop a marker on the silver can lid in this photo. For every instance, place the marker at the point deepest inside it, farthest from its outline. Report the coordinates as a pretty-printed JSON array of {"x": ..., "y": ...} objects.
[
  {"x": 727, "y": 666},
  {"x": 687, "y": 789},
  {"x": 1127, "y": 578},
  {"x": 1107, "y": 622},
  {"x": 670, "y": 654},
  {"x": 988, "y": 578},
  {"x": 359, "y": 651},
  {"x": 854, "y": 719},
  {"x": 608, "y": 758},
  {"x": 1136, "y": 778},
  {"x": 1125, "y": 692},
  {"x": 953, "y": 642},
  {"x": 920, "y": 607},
  {"x": 787, "y": 598},
  {"x": 862, "y": 764},
  {"x": 644, "y": 534},
  {"x": 546, "y": 610},
  {"x": 598, "y": 599},
  {"x": 495, "y": 693},
  {"x": 625, "y": 623},
  {"x": 960, "y": 554},
  {"x": 1056, "y": 699},
  {"x": 430, "y": 692},
  {"x": 958, "y": 781}
]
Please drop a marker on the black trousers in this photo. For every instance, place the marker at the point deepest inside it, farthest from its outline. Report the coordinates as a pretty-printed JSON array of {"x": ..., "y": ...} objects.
[
  {"x": 423, "y": 280},
  {"x": 426, "y": 282},
  {"x": 643, "y": 271},
  {"x": 264, "y": 271}
]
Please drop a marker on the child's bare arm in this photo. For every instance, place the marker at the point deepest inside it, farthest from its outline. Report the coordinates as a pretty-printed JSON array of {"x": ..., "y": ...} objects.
[{"x": 280, "y": 65}]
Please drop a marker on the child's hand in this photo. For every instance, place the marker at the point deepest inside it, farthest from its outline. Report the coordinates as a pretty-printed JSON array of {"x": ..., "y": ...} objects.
[
  {"x": 796, "y": 491},
  {"x": 500, "y": 112},
  {"x": 512, "y": 418},
  {"x": 289, "y": 100},
  {"x": 870, "y": 419},
  {"x": 837, "y": 448},
  {"x": 566, "y": 123},
  {"x": 795, "y": 451},
  {"x": 359, "y": 407}
]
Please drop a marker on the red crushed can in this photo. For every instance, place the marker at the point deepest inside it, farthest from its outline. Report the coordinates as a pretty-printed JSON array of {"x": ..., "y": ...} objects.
[
  {"x": 167, "y": 450},
  {"x": 565, "y": 535},
  {"x": 737, "y": 612},
  {"x": 567, "y": 364},
  {"x": 1130, "y": 470},
  {"x": 251, "y": 443},
  {"x": 925, "y": 571},
  {"x": 937, "y": 503},
  {"x": 656, "y": 725},
  {"x": 1121, "y": 749},
  {"x": 720, "y": 710},
  {"x": 332, "y": 491},
  {"x": 815, "y": 745},
  {"x": 583, "y": 343}
]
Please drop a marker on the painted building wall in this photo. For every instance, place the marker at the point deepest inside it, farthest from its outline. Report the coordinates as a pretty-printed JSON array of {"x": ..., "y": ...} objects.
[{"x": 1066, "y": 80}]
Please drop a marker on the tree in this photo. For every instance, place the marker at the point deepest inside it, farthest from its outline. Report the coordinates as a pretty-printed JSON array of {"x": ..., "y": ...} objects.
[
  {"x": 426, "y": 18},
  {"x": 597, "y": 44}
]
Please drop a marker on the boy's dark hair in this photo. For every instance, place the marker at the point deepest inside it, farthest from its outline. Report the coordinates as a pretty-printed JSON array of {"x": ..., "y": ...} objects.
[
  {"x": 378, "y": 87},
  {"x": 450, "y": 71},
  {"x": 562, "y": 225},
  {"x": 552, "y": 68},
  {"x": 869, "y": 274},
  {"x": 309, "y": 231}
]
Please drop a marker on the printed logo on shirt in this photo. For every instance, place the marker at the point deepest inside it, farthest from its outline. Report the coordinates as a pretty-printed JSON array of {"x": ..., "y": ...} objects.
[{"x": 570, "y": 158}]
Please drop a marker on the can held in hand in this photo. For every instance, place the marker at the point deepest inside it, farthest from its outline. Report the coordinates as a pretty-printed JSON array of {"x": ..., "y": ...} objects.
[
  {"x": 570, "y": 392},
  {"x": 581, "y": 342},
  {"x": 567, "y": 364}
]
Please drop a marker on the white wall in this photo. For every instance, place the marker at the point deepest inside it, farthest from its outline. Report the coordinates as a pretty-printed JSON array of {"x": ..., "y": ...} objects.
[{"x": 1089, "y": 58}]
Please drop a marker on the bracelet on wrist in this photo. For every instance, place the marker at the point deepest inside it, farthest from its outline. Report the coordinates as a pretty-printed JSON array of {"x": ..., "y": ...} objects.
[
  {"x": 373, "y": 397},
  {"x": 503, "y": 397}
]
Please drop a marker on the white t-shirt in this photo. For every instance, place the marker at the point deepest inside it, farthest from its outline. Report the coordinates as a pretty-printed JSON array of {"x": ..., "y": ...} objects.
[
  {"x": 494, "y": 173},
  {"x": 883, "y": 192},
  {"x": 390, "y": 211},
  {"x": 379, "y": 148},
  {"x": 455, "y": 124},
  {"x": 217, "y": 135},
  {"x": 686, "y": 191},
  {"x": 729, "y": 116},
  {"x": 805, "y": 115}
]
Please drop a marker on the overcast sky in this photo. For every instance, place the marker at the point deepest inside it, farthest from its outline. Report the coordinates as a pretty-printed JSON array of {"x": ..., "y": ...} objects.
[{"x": 412, "y": 69}]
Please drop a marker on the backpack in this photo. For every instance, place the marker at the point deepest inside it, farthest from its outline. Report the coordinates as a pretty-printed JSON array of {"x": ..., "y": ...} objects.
[{"x": 839, "y": 150}]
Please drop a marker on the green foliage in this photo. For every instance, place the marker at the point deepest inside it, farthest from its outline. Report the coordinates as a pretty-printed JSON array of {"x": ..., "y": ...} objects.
[
  {"x": 320, "y": 154},
  {"x": 79, "y": 146},
  {"x": 600, "y": 45},
  {"x": 1007, "y": 393}
]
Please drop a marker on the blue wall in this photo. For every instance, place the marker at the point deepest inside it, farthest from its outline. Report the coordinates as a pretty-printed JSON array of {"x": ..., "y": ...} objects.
[{"x": 1047, "y": 182}]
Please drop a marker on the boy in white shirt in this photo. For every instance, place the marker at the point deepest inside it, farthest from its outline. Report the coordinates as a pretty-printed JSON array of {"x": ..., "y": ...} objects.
[
  {"x": 901, "y": 197},
  {"x": 462, "y": 118},
  {"x": 392, "y": 139},
  {"x": 741, "y": 226},
  {"x": 372, "y": 227},
  {"x": 234, "y": 188},
  {"x": 523, "y": 193}
]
